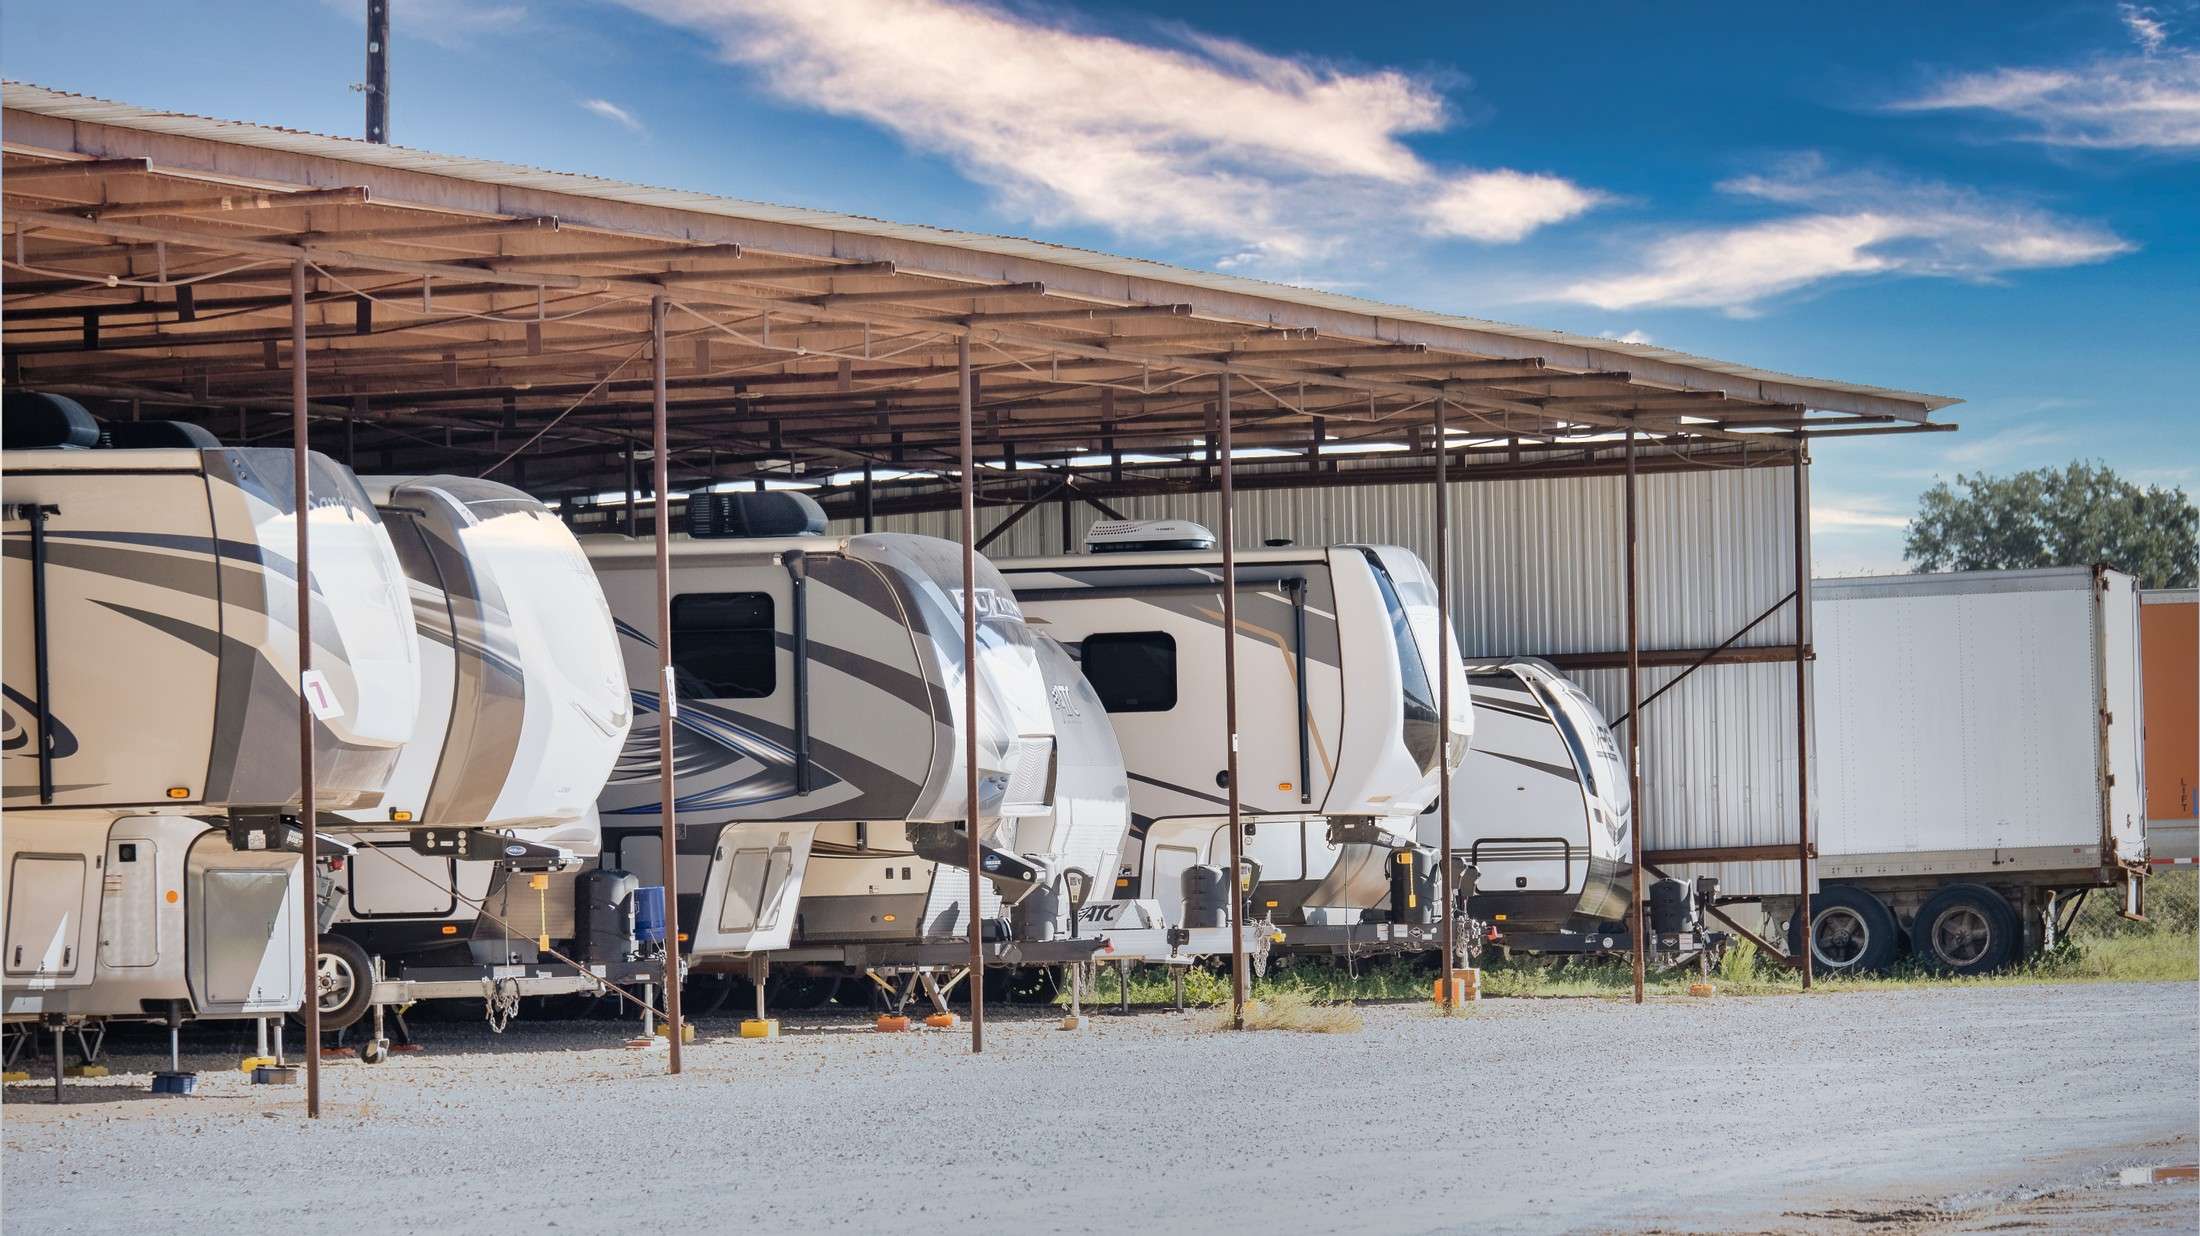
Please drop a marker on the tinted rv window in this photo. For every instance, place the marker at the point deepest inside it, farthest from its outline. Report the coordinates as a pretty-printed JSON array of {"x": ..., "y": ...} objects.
[
  {"x": 1420, "y": 698},
  {"x": 1132, "y": 671},
  {"x": 723, "y": 641}
]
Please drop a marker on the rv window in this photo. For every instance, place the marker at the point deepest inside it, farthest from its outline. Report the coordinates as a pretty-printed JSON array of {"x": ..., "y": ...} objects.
[
  {"x": 1132, "y": 671},
  {"x": 724, "y": 642}
]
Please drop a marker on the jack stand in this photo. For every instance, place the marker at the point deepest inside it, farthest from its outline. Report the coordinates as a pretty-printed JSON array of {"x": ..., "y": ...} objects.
[
  {"x": 175, "y": 1080},
  {"x": 940, "y": 1018},
  {"x": 1122, "y": 986},
  {"x": 1176, "y": 983},
  {"x": 60, "y": 1058},
  {"x": 759, "y": 1026},
  {"x": 1076, "y": 1018}
]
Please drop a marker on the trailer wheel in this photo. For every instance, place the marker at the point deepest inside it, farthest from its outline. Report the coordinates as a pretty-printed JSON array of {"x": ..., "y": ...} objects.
[
  {"x": 1851, "y": 932},
  {"x": 1965, "y": 929},
  {"x": 344, "y": 984}
]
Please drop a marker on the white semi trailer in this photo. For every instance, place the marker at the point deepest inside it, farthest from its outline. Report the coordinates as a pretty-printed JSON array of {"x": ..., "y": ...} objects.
[{"x": 1978, "y": 764}]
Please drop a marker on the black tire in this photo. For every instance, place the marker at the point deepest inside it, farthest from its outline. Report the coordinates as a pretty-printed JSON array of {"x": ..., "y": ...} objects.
[
  {"x": 346, "y": 966},
  {"x": 1852, "y": 932},
  {"x": 800, "y": 993},
  {"x": 1966, "y": 929}
]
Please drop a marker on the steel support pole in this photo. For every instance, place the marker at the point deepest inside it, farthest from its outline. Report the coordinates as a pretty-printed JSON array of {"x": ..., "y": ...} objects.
[
  {"x": 302, "y": 498},
  {"x": 1634, "y": 724},
  {"x": 1802, "y": 705},
  {"x": 1443, "y": 698},
  {"x": 870, "y": 499},
  {"x": 378, "y": 70},
  {"x": 1228, "y": 533},
  {"x": 968, "y": 469},
  {"x": 668, "y": 842}
]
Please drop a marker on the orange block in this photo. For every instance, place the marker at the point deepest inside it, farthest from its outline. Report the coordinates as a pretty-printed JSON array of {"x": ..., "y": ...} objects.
[
  {"x": 1466, "y": 988},
  {"x": 892, "y": 1021}
]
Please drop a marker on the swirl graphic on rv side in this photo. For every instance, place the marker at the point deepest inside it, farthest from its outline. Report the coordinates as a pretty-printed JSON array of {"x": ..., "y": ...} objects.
[{"x": 18, "y": 722}]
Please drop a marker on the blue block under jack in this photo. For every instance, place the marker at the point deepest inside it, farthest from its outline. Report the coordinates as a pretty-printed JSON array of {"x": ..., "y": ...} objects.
[
  {"x": 165, "y": 1082},
  {"x": 649, "y": 914}
]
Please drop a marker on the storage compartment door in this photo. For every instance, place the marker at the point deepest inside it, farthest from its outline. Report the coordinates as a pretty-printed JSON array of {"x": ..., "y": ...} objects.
[
  {"x": 246, "y": 947},
  {"x": 45, "y": 916},
  {"x": 129, "y": 906}
]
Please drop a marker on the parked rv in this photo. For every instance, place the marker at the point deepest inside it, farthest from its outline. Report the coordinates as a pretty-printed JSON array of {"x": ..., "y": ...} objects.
[
  {"x": 1338, "y": 725},
  {"x": 1978, "y": 765},
  {"x": 152, "y": 781},
  {"x": 523, "y": 709},
  {"x": 819, "y": 735}
]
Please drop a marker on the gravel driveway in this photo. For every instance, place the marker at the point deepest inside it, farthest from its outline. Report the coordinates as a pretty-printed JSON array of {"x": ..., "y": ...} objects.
[{"x": 1908, "y": 1110}]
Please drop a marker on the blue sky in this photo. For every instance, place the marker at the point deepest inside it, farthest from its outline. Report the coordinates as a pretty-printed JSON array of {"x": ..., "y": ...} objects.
[{"x": 1992, "y": 201}]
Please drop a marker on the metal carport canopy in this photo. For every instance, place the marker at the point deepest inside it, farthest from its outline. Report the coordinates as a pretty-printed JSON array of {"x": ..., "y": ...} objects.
[{"x": 806, "y": 341}]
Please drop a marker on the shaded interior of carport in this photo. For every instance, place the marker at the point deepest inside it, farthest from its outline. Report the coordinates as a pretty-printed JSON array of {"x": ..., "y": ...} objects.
[{"x": 612, "y": 348}]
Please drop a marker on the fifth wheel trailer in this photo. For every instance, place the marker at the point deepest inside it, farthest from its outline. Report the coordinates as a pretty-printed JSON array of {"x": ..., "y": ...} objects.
[{"x": 1978, "y": 763}]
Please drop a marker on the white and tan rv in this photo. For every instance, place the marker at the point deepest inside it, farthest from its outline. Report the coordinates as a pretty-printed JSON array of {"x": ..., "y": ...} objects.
[
  {"x": 1338, "y": 731},
  {"x": 151, "y": 743},
  {"x": 523, "y": 710},
  {"x": 819, "y": 736}
]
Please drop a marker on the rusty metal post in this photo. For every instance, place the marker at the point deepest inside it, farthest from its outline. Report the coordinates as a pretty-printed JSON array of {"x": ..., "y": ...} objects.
[
  {"x": 968, "y": 465},
  {"x": 1634, "y": 721},
  {"x": 302, "y": 503},
  {"x": 1443, "y": 696},
  {"x": 1802, "y": 706},
  {"x": 969, "y": 535},
  {"x": 1228, "y": 533},
  {"x": 667, "y": 705}
]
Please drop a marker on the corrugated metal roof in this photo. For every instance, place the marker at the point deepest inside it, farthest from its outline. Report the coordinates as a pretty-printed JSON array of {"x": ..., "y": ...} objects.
[{"x": 1585, "y": 350}]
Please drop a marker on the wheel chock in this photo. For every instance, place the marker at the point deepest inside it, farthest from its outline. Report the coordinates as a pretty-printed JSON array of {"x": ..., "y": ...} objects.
[
  {"x": 86, "y": 1070},
  {"x": 760, "y": 1027},
  {"x": 941, "y": 1021},
  {"x": 892, "y": 1022},
  {"x": 254, "y": 1063}
]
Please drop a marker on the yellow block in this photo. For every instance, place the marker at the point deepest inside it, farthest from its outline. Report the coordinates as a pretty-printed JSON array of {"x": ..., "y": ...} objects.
[
  {"x": 760, "y": 1027},
  {"x": 14, "y": 1075},
  {"x": 86, "y": 1070},
  {"x": 687, "y": 1031},
  {"x": 250, "y": 1063}
]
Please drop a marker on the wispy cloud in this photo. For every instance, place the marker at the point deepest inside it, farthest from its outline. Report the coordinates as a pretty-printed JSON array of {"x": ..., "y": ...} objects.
[
  {"x": 2145, "y": 27},
  {"x": 1847, "y": 225},
  {"x": 2148, "y": 99},
  {"x": 613, "y": 112},
  {"x": 1280, "y": 160},
  {"x": 446, "y": 23},
  {"x": 1633, "y": 336},
  {"x": 2020, "y": 444}
]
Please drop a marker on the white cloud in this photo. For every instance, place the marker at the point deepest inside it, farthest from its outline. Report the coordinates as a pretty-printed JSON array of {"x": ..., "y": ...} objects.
[
  {"x": 2148, "y": 100},
  {"x": 1850, "y": 225},
  {"x": 1633, "y": 336},
  {"x": 613, "y": 112},
  {"x": 1282, "y": 159},
  {"x": 2144, "y": 26},
  {"x": 446, "y": 23},
  {"x": 1503, "y": 205}
]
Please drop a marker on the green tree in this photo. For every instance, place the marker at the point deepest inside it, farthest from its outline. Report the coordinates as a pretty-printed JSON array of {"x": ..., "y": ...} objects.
[{"x": 2076, "y": 515}]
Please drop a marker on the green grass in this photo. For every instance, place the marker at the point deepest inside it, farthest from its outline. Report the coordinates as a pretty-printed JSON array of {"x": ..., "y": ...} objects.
[{"x": 2167, "y": 949}]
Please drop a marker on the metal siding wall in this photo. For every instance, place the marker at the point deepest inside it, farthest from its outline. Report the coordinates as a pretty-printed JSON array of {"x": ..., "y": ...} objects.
[{"x": 1536, "y": 569}]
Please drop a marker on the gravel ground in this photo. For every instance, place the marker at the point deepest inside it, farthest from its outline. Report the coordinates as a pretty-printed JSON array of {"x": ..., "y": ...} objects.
[{"x": 1923, "y": 1110}]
